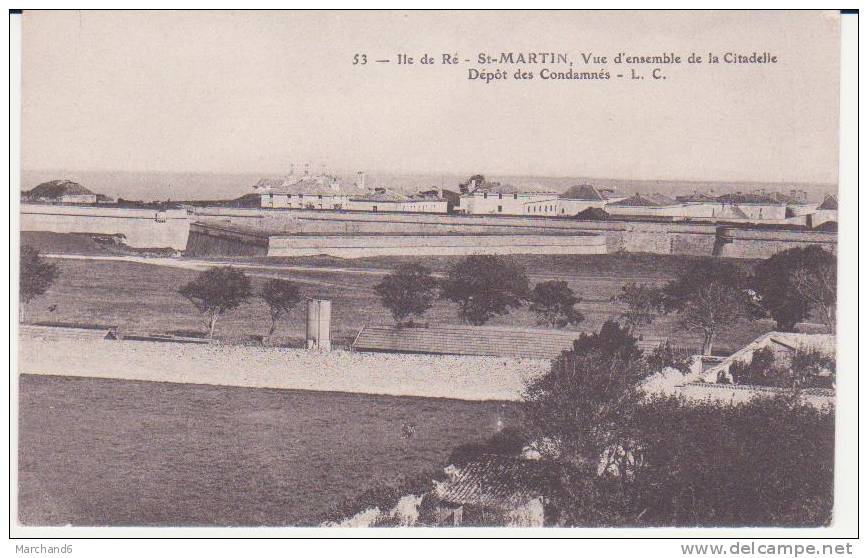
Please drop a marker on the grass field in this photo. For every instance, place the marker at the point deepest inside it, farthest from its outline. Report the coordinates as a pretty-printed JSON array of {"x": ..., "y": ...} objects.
[
  {"x": 140, "y": 297},
  {"x": 117, "y": 452}
]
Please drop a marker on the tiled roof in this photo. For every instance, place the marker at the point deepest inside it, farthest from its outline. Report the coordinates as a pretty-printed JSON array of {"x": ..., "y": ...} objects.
[
  {"x": 583, "y": 192},
  {"x": 696, "y": 197},
  {"x": 645, "y": 200},
  {"x": 473, "y": 340},
  {"x": 321, "y": 185},
  {"x": 383, "y": 195},
  {"x": 492, "y": 481},
  {"x": 759, "y": 199}
]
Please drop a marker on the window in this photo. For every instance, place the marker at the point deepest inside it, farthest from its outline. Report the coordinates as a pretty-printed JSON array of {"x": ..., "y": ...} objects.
[
  {"x": 320, "y": 196},
  {"x": 515, "y": 196},
  {"x": 500, "y": 209},
  {"x": 485, "y": 195},
  {"x": 375, "y": 208},
  {"x": 500, "y": 196}
]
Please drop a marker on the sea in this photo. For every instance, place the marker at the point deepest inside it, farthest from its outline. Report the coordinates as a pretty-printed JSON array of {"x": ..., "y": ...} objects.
[{"x": 180, "y": 186}]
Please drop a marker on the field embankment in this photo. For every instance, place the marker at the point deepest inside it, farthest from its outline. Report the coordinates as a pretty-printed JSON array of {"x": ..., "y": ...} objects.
[{"x": 100, "y": 452}]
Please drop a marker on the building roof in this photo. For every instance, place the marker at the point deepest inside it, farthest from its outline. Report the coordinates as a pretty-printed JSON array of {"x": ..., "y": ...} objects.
[
  {"x": 55, "y": 189},
  {"x": 792, "y": 341},
  {"x": 592, "y": 214},
  {"x": 382, "y": 195},
  {"x": 499, "y": 188},
  {"x": 831, "y": 202},
  {"x": 827, "y": 226},
  {"x": 473, "y": 340},
  {"x": 493, "y": 481},
  {"x": 697, "y": 197},
  {"x": 755, "y": 199},
  {"x": 732, "y": 212},
  {"x": 321, "y": 185},
  {"x": 645, "y": 200},
  {"x": 584, "y": 192}
]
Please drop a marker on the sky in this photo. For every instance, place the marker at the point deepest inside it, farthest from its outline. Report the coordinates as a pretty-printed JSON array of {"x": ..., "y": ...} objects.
[{"x": 252, "y": 92}]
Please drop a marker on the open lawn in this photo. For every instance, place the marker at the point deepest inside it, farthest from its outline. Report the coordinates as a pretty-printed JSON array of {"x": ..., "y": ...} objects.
[
  {"x": 139, "y": 297},
  {"x": 118, "y": 452}
]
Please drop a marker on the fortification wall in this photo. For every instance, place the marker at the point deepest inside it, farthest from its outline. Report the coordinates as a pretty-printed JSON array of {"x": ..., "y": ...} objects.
[
  {"x": 696, "y": 239},
  {"x": 415, "y": 245},
  {"x": 141, "y": 228},
  {"x": 746, "y": 243},
  {"x": 219, "y": 241}
]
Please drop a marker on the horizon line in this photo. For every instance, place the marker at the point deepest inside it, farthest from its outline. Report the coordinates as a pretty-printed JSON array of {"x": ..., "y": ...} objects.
[{"x": 432, "y": 173}]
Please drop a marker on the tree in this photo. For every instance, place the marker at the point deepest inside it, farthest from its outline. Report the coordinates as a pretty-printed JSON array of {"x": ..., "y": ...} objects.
[
  {"x": 708, "y": 296},
  {"x": 554, "y": 304},
  {"x": 775, "y": 278},
  {"x": 485, "y": 286},
  {"x": 281, "y": 296},
  {"x": 35, "y": 277},
  {"x": 217, "y": 291},
  {"x": 410, "y": 290},
  {"x": 816, "y": 282},
  {"x": 584, "y": 404},
  {"x": 643, "y": 304}
]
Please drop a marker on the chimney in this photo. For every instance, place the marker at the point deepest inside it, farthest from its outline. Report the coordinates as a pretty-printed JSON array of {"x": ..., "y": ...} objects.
[{"x": 360, "y": 180}]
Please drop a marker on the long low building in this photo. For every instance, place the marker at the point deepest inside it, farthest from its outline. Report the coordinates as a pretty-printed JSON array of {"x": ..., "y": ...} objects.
[{"x": 511, "y": 342}]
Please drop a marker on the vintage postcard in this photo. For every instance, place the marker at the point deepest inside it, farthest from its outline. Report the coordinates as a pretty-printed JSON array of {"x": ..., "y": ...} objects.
[{"x": 562, "y": 271}]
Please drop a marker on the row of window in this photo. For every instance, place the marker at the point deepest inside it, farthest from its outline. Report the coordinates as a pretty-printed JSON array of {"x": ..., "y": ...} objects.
[
  {"x": 499, "y": 196},
  {"x": 542, "y": 208}
]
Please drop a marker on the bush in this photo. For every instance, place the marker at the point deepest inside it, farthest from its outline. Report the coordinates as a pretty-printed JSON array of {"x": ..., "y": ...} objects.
[
  {"x": 807, "y": 369},
  {"x": 554, "y": 304},
  {"x": 787, "y": 284},
  {"x": 410, "y": 290},
  {"x": 280, "y": 296},
  {"x": 216, "y": 291},
  {"x": 485, "y": 286},
  {"x": 584, "y": 403},
  {"x": 767, "y": 462},
  {"x": 665, "y": 356},
  {"x": 36, "y": 274}
]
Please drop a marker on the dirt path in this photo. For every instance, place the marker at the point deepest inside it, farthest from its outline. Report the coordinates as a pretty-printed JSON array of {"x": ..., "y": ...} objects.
[
  {"x": 457, "y": 377},
  {"x": 201, "y": 265}
]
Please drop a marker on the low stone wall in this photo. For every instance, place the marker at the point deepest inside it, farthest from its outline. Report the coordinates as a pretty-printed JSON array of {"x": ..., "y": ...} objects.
[
  {"x": 141, "y": 228},
  {"x": 739, "y": 394},
  {"x": 446, "y": 245},
  {"x": 472, "y": 378}
]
